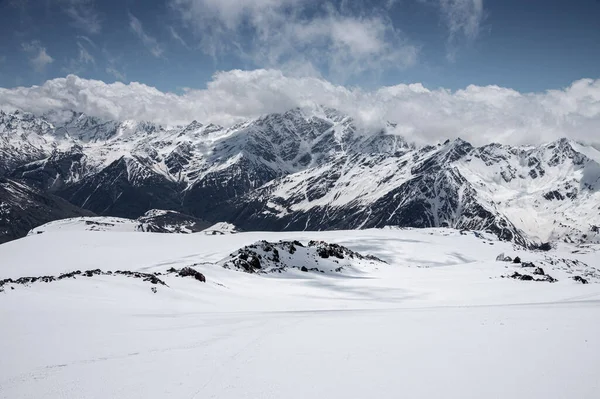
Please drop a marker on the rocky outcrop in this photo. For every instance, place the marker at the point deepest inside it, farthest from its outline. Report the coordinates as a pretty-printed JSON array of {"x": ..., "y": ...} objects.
[
  {"x": 151, "y": 278},
  {"x": 318, "y": 256}
]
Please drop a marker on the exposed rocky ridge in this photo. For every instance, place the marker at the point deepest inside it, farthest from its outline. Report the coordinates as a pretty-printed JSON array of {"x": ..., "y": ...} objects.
[
  {"x": 311, "y": 170},
  {"x": 152, "y": 278},
  {"x": 316, "y": 256}
]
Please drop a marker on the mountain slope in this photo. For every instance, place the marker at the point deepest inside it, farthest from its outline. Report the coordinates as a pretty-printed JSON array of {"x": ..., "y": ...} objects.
[
  {"x": 23, "y": 207},
  {"x": 306, "y": 170},
  {"x": 495, "y": 188}
]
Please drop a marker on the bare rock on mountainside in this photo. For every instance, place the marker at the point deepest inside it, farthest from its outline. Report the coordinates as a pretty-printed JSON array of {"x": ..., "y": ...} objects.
[
  {"x": 307, "y": 170},
  {"x": 318, "y": 256},
  {"x": 23, "y": 207}
]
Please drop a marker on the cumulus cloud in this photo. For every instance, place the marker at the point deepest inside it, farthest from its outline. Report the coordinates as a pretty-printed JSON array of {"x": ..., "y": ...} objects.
[
  {"x": 305, "y": 35},
  {"x": 149, "y": 42},
  {"x": 39, "y": 57},
  {"x": 477, "y": 114}
]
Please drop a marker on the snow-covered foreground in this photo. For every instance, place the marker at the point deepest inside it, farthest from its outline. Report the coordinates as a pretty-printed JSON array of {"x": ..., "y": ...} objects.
[{"x": 437, "y": 321}]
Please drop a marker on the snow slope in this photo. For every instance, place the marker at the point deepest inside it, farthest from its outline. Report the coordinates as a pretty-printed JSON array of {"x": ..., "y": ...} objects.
[
  {"x": 155, "y": 220},
  {"x": 437, "y": 320}
]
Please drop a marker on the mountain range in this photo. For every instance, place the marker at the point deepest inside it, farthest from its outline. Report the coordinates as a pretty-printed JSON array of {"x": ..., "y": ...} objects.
[{"x": 299, "y": 170}]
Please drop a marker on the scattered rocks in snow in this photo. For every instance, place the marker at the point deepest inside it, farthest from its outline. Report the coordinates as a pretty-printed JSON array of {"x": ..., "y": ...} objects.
[
  {"x": 527, "y": 277},
  {"x": 70, "y": 274},
  {"x": 91, "y": 273},
  {"x": 151, "y": 278},
  {"x": 519, "y": 276},
  {"x": 189, "y": 272},
  {"x": 527, "y": 264},
  {"x": 574, "y": 267},
  {"x": 580, "y": 279},
  {"x": 144, "y": 276},
  {"x": 502, "y": 258},
  {"x": 517, "y": 260},
  {"x": 538, "y": 271},
  {"x": 319, "y": 256}
]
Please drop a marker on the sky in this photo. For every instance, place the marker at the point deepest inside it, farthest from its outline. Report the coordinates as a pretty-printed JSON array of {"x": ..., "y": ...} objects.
[{"x": 469, "y": 66}]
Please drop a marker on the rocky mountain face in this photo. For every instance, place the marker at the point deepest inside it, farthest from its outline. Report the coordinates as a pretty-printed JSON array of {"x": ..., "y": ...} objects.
[
  {"x": 306, "y": 170},
  {"x": 23, "y": 207}
]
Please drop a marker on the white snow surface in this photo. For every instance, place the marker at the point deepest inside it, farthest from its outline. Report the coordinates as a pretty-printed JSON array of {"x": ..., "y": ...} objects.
[
  {"x": 111, "y": 223},
  {"x": 437, "y": 320},
  {"x": 89, "y": 223},
  {"x": 221, "y": 228}
]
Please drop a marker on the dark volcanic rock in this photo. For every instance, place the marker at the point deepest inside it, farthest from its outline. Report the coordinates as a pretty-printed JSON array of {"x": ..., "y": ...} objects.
[
  {"x": 527, "y": 277},
  {"x": 519, "y": 276},
  {"x": 268, "y": 257},
  {"x": 188, "y": 271},
  {"x": 580, "y": 279},
  {"x": 538, "y": 271}
]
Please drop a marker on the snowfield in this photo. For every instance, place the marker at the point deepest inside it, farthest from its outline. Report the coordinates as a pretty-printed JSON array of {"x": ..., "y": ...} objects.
[{"x": 438, "y": 318}]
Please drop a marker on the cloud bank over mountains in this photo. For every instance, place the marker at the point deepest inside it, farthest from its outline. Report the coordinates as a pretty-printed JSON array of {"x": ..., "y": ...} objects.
[{"x": 477, "y": 114}]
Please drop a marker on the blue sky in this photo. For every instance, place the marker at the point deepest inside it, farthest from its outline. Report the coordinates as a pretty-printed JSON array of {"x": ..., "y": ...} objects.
[{"x": 531, "y": 45}]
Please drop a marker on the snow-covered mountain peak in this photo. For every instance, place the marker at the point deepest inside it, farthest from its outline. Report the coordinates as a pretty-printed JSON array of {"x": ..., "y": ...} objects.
[{"x": 306, "y": 168}]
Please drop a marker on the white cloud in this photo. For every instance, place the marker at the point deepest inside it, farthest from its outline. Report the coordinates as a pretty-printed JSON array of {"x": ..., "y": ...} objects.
[
  {"x": 478, "y": 114},
  {"x": 463, "y": 19},
  {"x": 149, "y": 42},
  {"x": 84, "y": 15},
  {"x": 177, "y": 37},
  {"x": 297, "y": 35},
  {"x": 39, "y": 57},
  {"x": 84, "y": 55},
  {"x": 111, "y": 70},
  {"x": 83, "y": 60},
  {"x": 114, "y": 65}
]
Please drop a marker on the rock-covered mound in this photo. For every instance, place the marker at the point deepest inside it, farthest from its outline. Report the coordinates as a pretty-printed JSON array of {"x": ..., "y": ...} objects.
[{"x": 316, "y": 256}]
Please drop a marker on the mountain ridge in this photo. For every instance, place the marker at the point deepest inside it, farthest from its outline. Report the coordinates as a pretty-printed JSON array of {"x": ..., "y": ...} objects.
[{"x": 306, "y": 170}]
